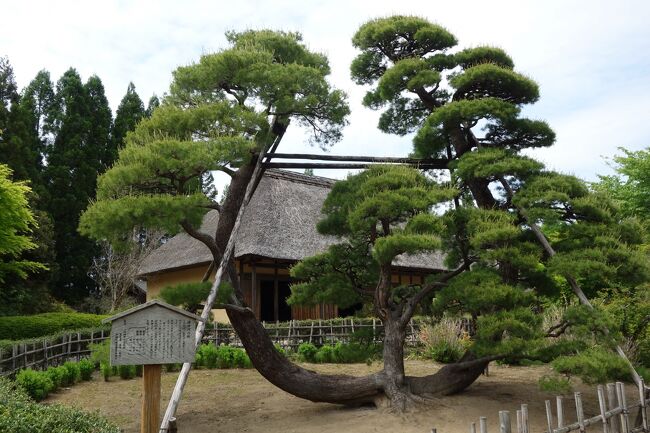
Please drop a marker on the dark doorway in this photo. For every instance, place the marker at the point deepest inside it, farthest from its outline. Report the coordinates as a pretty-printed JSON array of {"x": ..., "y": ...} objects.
[
  {"x": 274, "y": 307},
  {"x": 284, "y": 309}
]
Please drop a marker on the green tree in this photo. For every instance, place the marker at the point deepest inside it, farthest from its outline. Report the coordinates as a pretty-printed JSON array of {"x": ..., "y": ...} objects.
[
  {"x": 129, "y": 113},
  {"x": 81, "y": 121},
  {"x": 630, "y": 186},
  {"x": 514, "y": 234},
  {"x": 232, "y": 105},
  {"x": 153, "y": 103},
  {"x": 16, "y": 225}
]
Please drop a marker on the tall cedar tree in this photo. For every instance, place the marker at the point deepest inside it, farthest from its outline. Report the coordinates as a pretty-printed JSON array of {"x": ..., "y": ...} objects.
[
  {"x": 16, "y": 224},
  {"x": 238, "y": 102},
  {"x": 130, "y": 111},
  {"x": 81, "y": 121},
  {"x": 22, "y": 150}
]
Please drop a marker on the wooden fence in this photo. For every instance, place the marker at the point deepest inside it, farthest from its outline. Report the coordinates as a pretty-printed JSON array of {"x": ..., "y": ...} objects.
[
  {"x": 615, "y": 414},
  {"x": 289, "y": 335},
  {"x": 49, "y": 351}
]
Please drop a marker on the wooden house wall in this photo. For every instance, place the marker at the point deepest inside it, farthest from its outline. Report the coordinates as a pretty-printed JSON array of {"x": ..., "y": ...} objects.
[{"x": 263, "y": 270}]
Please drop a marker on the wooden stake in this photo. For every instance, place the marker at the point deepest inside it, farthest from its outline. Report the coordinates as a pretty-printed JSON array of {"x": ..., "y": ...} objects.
[
  {"x": 549, "y": 416},
  {"x": 483, "y": 424},
  {"x": 524, "y": 419},
  {"x": 603, "y": 408},
  {"x": 642, "y": 407},
  {"x": 504, "y": 422},
  {"x": 612, "y": 401},
  {"x": 625, "y": 420},
  {"x": 579, "y": 412},
  {"x": 150, "y": 416}
]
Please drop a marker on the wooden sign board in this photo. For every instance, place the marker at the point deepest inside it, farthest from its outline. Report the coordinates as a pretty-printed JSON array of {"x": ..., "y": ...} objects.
[{"x": 152, "y": 333}]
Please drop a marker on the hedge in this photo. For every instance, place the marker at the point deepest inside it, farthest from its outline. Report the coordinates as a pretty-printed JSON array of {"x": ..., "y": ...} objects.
[
  {"x": 39, "y": 325},
  {"x": 20, "y": 414}
]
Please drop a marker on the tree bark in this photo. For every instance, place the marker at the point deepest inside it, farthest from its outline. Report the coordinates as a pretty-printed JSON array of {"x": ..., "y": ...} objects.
[{"x": 389, "y": 387}]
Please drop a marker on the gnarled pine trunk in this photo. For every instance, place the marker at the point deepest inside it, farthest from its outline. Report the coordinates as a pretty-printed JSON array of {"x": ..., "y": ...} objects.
[{"x": 388, "y": 387}]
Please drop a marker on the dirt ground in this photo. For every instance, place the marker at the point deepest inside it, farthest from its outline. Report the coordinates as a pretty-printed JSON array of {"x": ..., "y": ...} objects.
[{"x": 242, "y": 401}]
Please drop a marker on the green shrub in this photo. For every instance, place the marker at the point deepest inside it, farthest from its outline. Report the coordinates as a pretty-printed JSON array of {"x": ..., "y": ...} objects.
[
  {"x": 39, "y": 325},
  {"x": 443, "y": 342},
  {"x": 593, "y": 366},
  {"x": 325, "y": 354},
  {"x": 86, "y": 368},
  {"x": 354, "y": 352},
  {"x": 307, "y": 352},
  {"x": 138, "y": 370},
  {"x": 106, "y": 370},
  {"x": 210, "y": 356},
  {"x": 445, "y": 352},
  {"x": 19, "y": 414},
  {"x": 57, "y": 375},
  {"x": 242, "y": 360},
  {"x": 126, "y": 371},
  {"x": 555, "y": 384},
  {"x": 100, "y": 352},
  {"x": 37, "y": 384},
  {"x": 206, "y": 356},
  {"x": 73, "y": 372},
  {"x": 226, "y": 357}
]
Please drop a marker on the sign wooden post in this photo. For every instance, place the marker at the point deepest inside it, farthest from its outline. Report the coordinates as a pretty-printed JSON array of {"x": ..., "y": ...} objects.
[{"x": 152, "y": 334}]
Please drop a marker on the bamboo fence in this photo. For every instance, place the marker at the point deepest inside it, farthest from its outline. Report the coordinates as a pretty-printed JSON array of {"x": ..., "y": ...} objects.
[
  {"x": 51, "y": 351},
  {"x": 614, "y": 415}
]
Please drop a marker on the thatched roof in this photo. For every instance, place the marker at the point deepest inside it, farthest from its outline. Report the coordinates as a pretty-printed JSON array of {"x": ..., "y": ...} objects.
[{"x": 279, "y": 223}]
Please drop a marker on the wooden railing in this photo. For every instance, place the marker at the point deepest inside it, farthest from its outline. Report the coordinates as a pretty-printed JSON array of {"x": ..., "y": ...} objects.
[
  {"x": 50, "y": 351},
  {"x": 616, "y": 415}
]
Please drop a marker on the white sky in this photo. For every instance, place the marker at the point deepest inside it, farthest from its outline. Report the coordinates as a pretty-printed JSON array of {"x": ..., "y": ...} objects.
[{"x": 590, "y": 58}]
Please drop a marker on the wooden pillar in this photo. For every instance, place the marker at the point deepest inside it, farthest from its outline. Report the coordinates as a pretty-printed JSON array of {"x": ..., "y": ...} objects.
[
  {"x": 150, "y": 416},
  {"x": 276, "y": 300},
  {"x": 254, "y": 297}
]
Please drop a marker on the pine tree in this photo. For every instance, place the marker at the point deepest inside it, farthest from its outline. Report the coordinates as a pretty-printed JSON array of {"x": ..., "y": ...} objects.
[{"x": 224, "y": 110}]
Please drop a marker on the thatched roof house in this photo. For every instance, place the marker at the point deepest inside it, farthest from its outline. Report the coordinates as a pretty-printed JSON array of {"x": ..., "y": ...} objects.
[{"x": 278, "y": 229}]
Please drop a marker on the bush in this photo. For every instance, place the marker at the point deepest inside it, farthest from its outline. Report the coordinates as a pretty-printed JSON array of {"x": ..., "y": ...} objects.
[
  {"x": 39, "y": 325},
  {"x": 307, "y": 352},
  {"x": 57, "y": 375},
  {"x": 555, "y": 384},
  {"x": 37, "y": 384},
  {"x": 325, "y": 354},
  {"x": 596, "y": 365},
  {"x": 126, "y": 371},
  {"x": 86, "y": 368},
  {"x": 210, "y": 356},
  {"x": 73, "y": 372},
  {"x": 443, "y": 342},
  {"x": 206, "y": 356},
  {"x": 100, "y": 352},
  {"x": 19, "y": 414},
  {"x": 106, "y": 370}
]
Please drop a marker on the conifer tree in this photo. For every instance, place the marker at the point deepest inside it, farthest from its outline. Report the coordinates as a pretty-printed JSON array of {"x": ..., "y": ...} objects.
[
  {"x": 130, "y": 111},
  {"x": 81, "y": 121},
  {"x": 232, "y": 105},
  {"x": 153, "y": 103},
  {"x": 23, "y": 149}
]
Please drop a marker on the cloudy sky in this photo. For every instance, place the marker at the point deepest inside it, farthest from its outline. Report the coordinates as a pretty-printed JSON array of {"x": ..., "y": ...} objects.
[{"x": 591, "y": 58}]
